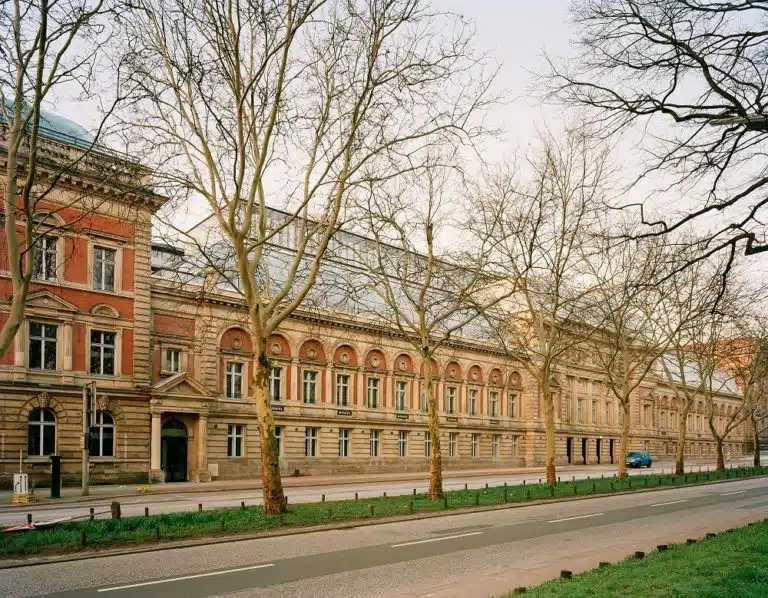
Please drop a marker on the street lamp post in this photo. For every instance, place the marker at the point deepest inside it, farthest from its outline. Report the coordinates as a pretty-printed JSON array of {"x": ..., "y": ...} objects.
[{"x": 89, "y": 401}]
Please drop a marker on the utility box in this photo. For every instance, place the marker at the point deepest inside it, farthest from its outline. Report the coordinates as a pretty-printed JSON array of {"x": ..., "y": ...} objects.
[{"x": 21, "y": 483}]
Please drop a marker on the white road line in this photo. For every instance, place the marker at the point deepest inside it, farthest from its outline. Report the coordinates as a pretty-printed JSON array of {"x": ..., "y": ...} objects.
[
  {"x": 671, "y": 502},
  {"x": 435, "y": 539},
  {"x": 185, "y": 577},
  {"x": 732, "y": 493},
  {"x": 577, "y": 517}
]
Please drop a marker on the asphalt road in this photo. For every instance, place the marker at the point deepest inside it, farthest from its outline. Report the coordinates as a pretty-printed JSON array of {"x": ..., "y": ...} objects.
[
  {"x": 477, "y": 554},
  {"x": 169, "y": 503}
]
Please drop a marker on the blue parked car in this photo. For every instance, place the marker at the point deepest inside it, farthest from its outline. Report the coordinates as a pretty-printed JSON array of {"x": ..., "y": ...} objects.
[{"x": 638, "y": 459}]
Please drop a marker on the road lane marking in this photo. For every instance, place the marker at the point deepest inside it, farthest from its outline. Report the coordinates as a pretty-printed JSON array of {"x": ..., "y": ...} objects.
[
  {"x": 183, "y": 578},
  {"x": 436, "y": 539},
  {"x": 671, "y": 502},
  {"x": 732, "y": 493},
  {"x": 573, "y": 518}
]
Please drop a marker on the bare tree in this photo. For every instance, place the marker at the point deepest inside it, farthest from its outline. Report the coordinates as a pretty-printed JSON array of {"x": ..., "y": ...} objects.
[
  {"x": 47, "y": 49},
  {"x": 691, "y": 75},
  {"x": 294, "y": 104},
  {"x": 541, "y": 231},
  {"x": 628, "y": 304},
  {"x": 429, "y": 294}
]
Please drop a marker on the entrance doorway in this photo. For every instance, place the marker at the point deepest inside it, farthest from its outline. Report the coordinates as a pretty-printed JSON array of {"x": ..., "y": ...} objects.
[
  {"x": 569, "y": 449},
  {"x": 610, "y": 449},
  {"x": 584, "y": 450},
  {"x": 173, "y": 451},
  {"x": 598, "y": 446}
]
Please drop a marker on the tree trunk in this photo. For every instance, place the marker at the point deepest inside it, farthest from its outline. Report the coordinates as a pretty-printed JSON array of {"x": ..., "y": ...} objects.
[
  {"x": 720, "y": 457},
  {"x": 549, "y": 422},
  {"x": 274, "y": 499},
  {"x": 624, "y": 441},
  {"x": 436, "y": 460},
  {"x": 682, "y": 427},
  {"x": 756, "y": 458}
]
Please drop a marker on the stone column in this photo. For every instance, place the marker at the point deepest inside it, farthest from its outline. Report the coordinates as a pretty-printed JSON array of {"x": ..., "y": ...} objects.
[
  {"x": 360, "y": 390},
  {"x": 329, "y": 375},
  {"x": 202, "y": 448},
  {"x": 154, "y": 449},
  {"x": 293, "y": 372},
  {"x": 68, "y": 347}
]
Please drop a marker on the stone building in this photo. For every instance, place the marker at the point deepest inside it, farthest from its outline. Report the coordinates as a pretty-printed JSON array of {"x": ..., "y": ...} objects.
[{"x": 171, "y": 362}]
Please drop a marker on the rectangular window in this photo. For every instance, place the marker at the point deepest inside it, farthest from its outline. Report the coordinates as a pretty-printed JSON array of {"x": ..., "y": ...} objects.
[
  {"x": 513, "y": 450},
  {"x": 472, "y": 401},
  {"x": 279, "y": 439},
  {"x": 607, "y": 414},
  {"x": 373, "y": 443},
  {"x": 453, "y": 439},
  {"x": 102, "y": 436},
  {"x": 400, "y": 394},
  {"x": 424, "y": 402},
  {"x": 646, "y": 415},
  {"x": 580, "y": 410},
  {"x": 512, "y": 404},
  {"x": 373, "y": 393},
  {"x": 475, "y": 445},
  {"x": 275, "y": 380},
  {"x": 172, "y": 361},
  {"x": 42, "y": 346},
  {"x": 495, "y": 441},
  {"x": 102, "y": 353},
  {"x": 450, "y": 399},
  {"x": 235, "y": 435},
  {"x": 594, "y": 412},
  {"x": 45, "y": 259},
  {"x": 310, "y": 442},
  {"x": 309, "y": 385},
  {"x": 567, "y": 408},
  {"x": 344, "y": 443},
  {"x": 493, "y": 403},
  {"x": 427, "y": 445},
  {"x": 342, "y": 390},
  {"x": 234, "y": 381},
  {"x": 402, "y": 443},
  {"x": 103, "y": 269}
]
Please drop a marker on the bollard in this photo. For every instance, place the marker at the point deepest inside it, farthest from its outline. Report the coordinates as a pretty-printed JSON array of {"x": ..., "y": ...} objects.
[
  {"x": 29, "y": 518},
  {"x": 322, "y": 498},
  {"x": 539, "y": 480},
  {"x": 486, "y": 485},
  {"x": 82, "y": 538},
  {"x": 690, "y": 541},
  {"x": 116, "y": 511},
  {"x": 91, "y": 513},
  {"x": 566, "y": 574},
  {"x": 527, "y": 495},
  {"x": 146, "y": 511},
  {"x": 477, "y": 499},
  {"x": 355, "y": 495},
  {"x": 593, "y": 487},
  {"x": 157, "y": 532},
  {"x": 523, "y": 482},
  {"x": 465, "y": 485},
  {"x": 558, "y": 479},
  {"x": 573, "y": 478},
  {"x": 385, "y": 495},
  {"x": 662, "y": 547},
  {"x": 639, "y": 554},
  {"x": 519, "y": 590},
  {"x": 603, "y": 564},
  {"x": 711, "y": 535},
  {"x": 414, "y": 491},
  {"x": 242, "y": 504},
  {"x": 373, "y": 509},
  {"x": 199, "y": 507},
  {"x": 330, "y": 514},
  {"x": 589, "y": 478}
]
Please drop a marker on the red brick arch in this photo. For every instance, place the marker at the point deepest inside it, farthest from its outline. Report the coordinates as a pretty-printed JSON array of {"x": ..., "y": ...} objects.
[
  {"x": 345, "y": 355},
  {"x": 313, "y": 350}
]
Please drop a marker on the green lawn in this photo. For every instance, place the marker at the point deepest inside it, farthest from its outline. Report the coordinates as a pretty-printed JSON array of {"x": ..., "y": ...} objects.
[
  {"x": 731, "y": 565},
  {"x": 72, "y": 536}
]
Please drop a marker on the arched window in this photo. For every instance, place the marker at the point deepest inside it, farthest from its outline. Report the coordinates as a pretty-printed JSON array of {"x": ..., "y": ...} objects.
[
  {"x": 102, "y": 440},
  {"x": 41, "y": 433}
]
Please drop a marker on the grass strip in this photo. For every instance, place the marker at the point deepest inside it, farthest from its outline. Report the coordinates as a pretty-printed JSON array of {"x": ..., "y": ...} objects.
[
  {"x": 731, "y": 564},
  {"x": 76, "y": 535}
]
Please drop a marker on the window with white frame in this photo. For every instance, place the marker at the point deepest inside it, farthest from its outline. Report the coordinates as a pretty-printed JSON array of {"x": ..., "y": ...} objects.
[
  {"x": 344, "y": 442},
  {"x": 310, "y": 442},
  {"x": 594, "y": 412},
  {"x": 495, "y": 442},
  {"x": 45, "y": 258},
  {"x": 102, "y": 436},
  {"x": 450, "y": 399},
  {"x": 275, "y": 380},
  {"x": 400, "y": 395},
  {"x": 402, "y": 443},
  {"x": 493, "y": 403},
  {"x": 513, "y": 447},
  {"x": 472, "y": 401},
  {"x": 373, "y": 442},
  {"x": 373, "y": 393},
  {"x": 103, "y": 269},
  {"x": 172, "y": 363},
  {"x": 309, "y": 387},
  {"x": 342, "y": 390},
  {"x": 512, "y": 404},
  {"x": 234, "y": 380},
  {"x": 279, "y": 439},
  {"x": 102, "y": 353},
  {"x": 453, "y": 440},
  {"x": 42, "y": 346},
  {"x": 41, "y": 433},
  {"x": 427, "y": 445},
  {"x": 235, "y": 437},
  {"x": 475, "y": 445}
]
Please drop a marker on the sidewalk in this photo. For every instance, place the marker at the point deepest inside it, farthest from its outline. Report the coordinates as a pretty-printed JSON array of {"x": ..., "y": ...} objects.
[{"x": 70, "y": 495}]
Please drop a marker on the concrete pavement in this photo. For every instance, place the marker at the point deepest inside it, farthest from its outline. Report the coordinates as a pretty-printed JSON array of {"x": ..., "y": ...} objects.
[
  {"x": 165, "y": 500},
  {"x": 477, "y": 554}
]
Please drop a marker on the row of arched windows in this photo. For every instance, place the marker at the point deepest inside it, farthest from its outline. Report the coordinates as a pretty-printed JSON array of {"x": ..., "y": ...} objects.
[{"x": 41, "y": 434}]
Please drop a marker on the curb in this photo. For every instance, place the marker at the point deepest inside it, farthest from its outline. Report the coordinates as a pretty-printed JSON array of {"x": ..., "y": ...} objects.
[{"x": 278, "y": 532}]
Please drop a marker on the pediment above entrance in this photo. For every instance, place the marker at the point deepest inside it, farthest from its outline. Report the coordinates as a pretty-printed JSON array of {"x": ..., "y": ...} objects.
[{"x": 181, "y": 385}]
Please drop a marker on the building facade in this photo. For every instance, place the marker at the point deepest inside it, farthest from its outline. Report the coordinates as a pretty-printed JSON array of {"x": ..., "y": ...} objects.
[{"x": 172, "y": 365}]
